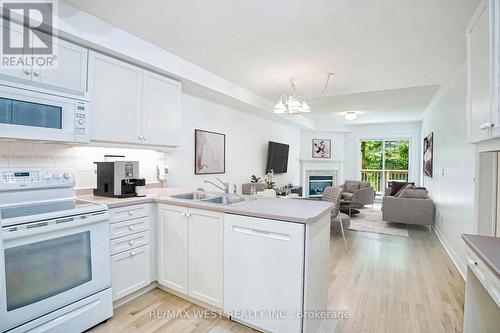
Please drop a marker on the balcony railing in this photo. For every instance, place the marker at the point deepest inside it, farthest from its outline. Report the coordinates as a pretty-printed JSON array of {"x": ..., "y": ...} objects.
[{"x": 376, "y": 179}]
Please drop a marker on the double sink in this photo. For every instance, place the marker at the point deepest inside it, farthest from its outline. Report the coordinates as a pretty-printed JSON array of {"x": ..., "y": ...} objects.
[{"x": 211, "y": 198}]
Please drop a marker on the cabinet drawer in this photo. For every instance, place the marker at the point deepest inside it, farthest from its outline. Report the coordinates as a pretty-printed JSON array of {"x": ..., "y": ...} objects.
[
  {"x": 477, "y": 266},
  {"x": 494, "y": 287},
  {"x": 128, "y": 213},
  {"x": 129, "y": 242},
  {"x": 130, "y": 271},
  {"x": 129, "y": 227}
]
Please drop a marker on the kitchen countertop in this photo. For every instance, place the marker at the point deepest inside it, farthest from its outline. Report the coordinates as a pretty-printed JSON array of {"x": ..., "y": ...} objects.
[
  {"x": 290, "y": 210},
  {"x": 487, "y": 248}
]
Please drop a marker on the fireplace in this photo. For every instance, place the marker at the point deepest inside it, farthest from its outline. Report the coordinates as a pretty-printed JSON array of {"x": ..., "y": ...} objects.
[{"x": 317, "y": 184}]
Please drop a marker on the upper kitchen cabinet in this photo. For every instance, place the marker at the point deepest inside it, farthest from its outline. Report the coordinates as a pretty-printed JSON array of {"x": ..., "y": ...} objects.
[
  {"x": 160, "y": 110},
  {"x": 131, "y": 105},
  {"x": 71, "y": 73},
  {"x": 480, "y": 32},
  {"x": 68, "y": 76},
  {"x": 115, "y": 97}
]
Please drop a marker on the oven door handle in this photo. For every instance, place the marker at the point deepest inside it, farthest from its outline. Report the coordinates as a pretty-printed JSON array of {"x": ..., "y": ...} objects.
[{"x": 63, "y": 223}]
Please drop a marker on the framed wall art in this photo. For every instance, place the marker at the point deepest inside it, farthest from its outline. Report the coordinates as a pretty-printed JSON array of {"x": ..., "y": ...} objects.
[
  {"x": 321, "y": 148},
  {"x": 209, "y": 152}
]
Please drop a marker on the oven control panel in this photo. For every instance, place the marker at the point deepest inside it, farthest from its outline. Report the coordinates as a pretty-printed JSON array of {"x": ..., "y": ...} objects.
[{"x": 20, "y": 178}]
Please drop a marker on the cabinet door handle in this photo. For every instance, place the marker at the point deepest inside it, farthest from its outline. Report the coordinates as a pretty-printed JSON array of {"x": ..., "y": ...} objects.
[
  {"x": 36, "y": 74},
  {"x": 131, "y": 228},
  {"x": 27, "y": 72},
  {"x": 144, "y": 138},
  {"x": 140, "y": 137},
  {"x": 486, "y": 125},
  {"x": 184, "y": 214},
  {"x": 131, "y": 243},
  {"x": 188, "y": 214},
  {"x": 130, "y": 212},
  {"x": 132, "y": 253}
]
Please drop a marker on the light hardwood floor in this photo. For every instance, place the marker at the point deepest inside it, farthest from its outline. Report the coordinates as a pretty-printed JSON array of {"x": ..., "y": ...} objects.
[{"x": 387, "y": 283}]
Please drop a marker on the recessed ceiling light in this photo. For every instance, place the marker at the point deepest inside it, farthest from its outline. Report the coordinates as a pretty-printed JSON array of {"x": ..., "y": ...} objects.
[{"x": 351, "y": 115}]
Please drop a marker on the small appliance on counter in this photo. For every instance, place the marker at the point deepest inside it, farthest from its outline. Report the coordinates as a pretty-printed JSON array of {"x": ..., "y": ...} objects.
[{"x": 118, "y": 179}]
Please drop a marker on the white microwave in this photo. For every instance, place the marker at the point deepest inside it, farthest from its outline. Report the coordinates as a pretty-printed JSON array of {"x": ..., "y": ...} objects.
[{"x": 32, "y": 115}]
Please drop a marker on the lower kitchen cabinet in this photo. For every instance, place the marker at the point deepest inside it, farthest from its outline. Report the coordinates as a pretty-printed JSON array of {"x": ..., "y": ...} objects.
[
  {"x": 206, "y": 256},
  {"x": 172, "y": 247},
  {"x": 190, "y": 245},
  {"x": 132, "y": 248},
  {"x": 130, "y": 271}
]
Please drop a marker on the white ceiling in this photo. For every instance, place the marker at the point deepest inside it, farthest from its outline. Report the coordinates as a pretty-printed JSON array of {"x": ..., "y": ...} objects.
[{"x": 398, "y": 50}]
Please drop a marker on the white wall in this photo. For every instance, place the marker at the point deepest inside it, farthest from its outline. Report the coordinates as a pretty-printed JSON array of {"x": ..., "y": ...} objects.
[
  {"x": 410, "y": 130},
  {"x": 452, "y": 184},
  {"x": 247, "y": 139}
]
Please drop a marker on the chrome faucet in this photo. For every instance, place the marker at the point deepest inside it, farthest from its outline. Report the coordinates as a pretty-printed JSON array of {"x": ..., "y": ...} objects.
[{"x": 225, "y": 188}]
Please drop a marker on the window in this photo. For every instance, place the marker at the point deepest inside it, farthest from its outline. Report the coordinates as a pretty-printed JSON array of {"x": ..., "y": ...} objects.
[{"x": 383, "y": 161}]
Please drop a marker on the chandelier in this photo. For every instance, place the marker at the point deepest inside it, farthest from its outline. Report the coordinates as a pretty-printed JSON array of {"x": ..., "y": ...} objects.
[{"x": 293, "y": 104}]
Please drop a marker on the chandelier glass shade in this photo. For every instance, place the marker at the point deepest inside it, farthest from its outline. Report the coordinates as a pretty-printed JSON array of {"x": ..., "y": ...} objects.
[{"x": 293, "y": 104}]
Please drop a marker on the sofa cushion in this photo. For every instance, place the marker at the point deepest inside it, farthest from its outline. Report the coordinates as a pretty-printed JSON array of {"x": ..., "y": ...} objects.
[
  {"x": 414, "y": 193},
  {"x": 396, "y": 187},
  {"x": 405, "y": 187},
  {"x": 364, "y": 184},
  {"x": 347, "y": 196},
  {"x": 351, "y": 186}
]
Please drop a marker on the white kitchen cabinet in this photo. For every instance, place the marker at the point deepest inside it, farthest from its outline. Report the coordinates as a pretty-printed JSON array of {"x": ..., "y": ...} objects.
[
  {"x": 69, "y": 75},
  {"x": 190, "y": 252},
  {"x": 173, "y": 247},
  {"x": 132, "y": 248},
  {"x": 206, "y": 256},
  {"x": 479, "y": 71},
  {"x": 160, "y": 110},
  {"x": 130, "y": 271},
  {"x": 483, "y": 72},
  {"x": 16, "y": 37},
  {"x": 115, "y": 96},
  {"x": 132, "y": 105}
]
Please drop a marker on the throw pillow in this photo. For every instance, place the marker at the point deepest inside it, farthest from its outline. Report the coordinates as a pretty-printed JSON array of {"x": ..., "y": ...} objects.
[
  {"x": 406, "y": 186},
  {"x": 396, "y": 186},
  {"x": 414, "y": 193},
  {"x": 351, "y": 186}
]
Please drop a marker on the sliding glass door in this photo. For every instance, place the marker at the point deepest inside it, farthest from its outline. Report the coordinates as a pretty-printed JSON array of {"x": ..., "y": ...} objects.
[{"x": 383, "y": 161}]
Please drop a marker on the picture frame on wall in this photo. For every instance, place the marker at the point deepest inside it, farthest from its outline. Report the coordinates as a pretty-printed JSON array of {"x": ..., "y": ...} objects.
[
  {"x": 428, "y": 154},
  {"x": 209, "y": 152},
  {"x": 321, "y": 148}
]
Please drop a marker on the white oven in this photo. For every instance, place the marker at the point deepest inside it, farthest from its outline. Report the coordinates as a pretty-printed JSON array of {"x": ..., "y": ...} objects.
[
  {"x": 55, "y": 273},
  {"x": 32, "y": 115}
]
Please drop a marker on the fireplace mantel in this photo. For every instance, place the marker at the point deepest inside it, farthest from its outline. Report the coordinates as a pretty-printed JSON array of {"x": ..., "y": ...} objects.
[{"x": 318, "y": 166}]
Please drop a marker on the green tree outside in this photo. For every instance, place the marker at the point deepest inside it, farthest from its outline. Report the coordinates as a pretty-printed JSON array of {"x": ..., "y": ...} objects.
[{"x": 396, "y": 155}]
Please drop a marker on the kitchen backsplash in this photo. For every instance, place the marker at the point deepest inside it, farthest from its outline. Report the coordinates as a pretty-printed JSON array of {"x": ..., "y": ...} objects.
[{"x": 15, "y": 154}]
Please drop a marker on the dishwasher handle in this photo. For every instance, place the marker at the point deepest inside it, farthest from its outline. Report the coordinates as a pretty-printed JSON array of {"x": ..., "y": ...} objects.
[{"x": 261, "y": 233}]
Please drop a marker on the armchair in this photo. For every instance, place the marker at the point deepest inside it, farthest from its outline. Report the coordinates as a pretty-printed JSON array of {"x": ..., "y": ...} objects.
[{"x": 358, "y": 191}]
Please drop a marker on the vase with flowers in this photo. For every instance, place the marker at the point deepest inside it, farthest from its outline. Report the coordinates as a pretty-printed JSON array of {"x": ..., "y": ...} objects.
[{"x": 270, "y": 191}]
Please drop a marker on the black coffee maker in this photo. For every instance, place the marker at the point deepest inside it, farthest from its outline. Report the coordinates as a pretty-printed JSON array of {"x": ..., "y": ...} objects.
[{"x": 118, "y": 179}]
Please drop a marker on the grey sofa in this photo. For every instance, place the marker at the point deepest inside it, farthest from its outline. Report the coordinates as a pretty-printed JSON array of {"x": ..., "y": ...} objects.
[
  {"x": 408, "y": 210},
  {"x": 358, "y": 191}
]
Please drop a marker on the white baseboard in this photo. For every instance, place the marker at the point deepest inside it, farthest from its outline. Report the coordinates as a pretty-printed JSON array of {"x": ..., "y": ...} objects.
[{"x": 451, "y": 253}]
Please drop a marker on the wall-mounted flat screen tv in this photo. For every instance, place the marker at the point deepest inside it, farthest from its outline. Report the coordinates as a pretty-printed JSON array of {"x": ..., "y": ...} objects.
[{"x": 277, "y": 157}]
